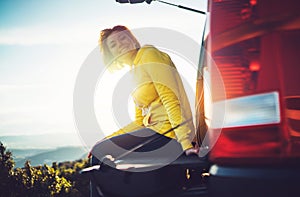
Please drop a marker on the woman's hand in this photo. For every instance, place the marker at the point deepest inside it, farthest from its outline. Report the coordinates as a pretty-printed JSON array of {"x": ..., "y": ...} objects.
[
  {"x": 191, "y": 151},
  {"x": 89, "y": 155}
]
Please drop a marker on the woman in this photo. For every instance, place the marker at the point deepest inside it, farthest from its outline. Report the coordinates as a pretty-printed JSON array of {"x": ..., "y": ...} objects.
[{"x": 159, "y": 96}]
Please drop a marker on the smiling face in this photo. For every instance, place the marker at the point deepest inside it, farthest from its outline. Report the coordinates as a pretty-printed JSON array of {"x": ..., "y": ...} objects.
[
  {"x": 118, "y": 47},
  {"x": 120, "y": 43}
]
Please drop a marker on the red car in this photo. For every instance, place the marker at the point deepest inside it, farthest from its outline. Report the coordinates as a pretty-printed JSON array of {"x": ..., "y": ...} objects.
[
  {"x": 250, "y": 119},
  {"x": 255, "y": 46}
]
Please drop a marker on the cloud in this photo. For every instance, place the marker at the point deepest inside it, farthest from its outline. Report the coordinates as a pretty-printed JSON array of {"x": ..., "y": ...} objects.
[{"x": 48, "y": 35}]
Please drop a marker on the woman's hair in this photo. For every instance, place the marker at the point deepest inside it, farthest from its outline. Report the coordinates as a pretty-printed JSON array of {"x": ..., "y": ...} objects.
[{"x": 106, "y": 54}]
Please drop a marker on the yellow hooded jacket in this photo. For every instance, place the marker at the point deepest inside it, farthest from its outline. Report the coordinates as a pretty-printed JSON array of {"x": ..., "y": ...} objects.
[{"x": 160, "y": 98}]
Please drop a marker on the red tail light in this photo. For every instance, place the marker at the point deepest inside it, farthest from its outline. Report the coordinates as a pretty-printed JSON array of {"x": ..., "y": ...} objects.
[
  {"x": 250, "y": 130},
  {"x": 254, "y": 47}
]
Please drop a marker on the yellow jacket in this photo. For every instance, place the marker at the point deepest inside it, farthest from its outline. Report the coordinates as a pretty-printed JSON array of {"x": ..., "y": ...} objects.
[{"x": 160, "y": 98}]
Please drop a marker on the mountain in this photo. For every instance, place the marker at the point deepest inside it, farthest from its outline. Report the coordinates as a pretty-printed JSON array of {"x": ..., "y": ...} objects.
[
  {"x": 20, "y": 154},
  {"x": 40, "y": 141},
  {"x": 44, "y": 148},
  {"x": 55, "y": 155}
]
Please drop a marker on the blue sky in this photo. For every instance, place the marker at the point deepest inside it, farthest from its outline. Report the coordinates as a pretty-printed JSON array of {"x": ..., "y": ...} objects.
[{"x": 43, "y": 43}]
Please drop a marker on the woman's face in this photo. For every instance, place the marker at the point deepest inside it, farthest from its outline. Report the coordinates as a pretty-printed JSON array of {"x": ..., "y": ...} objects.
[{"x": 119, "y": 43}]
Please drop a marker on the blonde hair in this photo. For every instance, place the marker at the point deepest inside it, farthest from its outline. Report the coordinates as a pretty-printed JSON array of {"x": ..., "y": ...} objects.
[{"x": 107, "y": 56}]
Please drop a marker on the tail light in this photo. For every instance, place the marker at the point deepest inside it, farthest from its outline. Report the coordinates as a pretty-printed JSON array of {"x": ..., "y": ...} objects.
[
  {"x": 255, "y": 47},
  {"x": 250, "y": 130}
]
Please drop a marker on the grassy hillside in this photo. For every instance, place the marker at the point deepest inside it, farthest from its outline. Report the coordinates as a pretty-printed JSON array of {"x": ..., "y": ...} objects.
[{"x": 59, "y": 179}]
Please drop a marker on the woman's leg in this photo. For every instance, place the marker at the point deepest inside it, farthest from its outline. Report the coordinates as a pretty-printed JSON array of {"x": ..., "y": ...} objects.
[{"x": 119, "y": 145}]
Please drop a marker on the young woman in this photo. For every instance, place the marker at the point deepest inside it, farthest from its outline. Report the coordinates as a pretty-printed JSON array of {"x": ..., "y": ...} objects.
[{"x": 160, "y": 100}]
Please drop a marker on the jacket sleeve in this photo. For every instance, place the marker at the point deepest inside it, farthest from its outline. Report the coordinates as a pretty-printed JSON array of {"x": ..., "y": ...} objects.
[
  {"x": 135, "y": 125},
  {"x": 163, "y": 73},
  {"x": 173, "y": 108}
]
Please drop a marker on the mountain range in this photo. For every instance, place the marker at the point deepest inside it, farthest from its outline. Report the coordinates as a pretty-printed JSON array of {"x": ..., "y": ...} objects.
[
  {"x": 47, "y": 156},
  {"x": 44, "y": 149}
]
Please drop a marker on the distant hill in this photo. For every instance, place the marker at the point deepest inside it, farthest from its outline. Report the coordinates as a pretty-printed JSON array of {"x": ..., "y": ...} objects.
[
  {"x": 44, "y": 148},
  {"x": 20, "y": 154},
  {"x": 56, "y": 155},
  {"x": 41, "y": 141}
]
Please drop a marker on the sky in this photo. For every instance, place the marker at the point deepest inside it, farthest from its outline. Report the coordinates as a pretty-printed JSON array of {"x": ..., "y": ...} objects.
[{"x": 43, "y": 44}]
